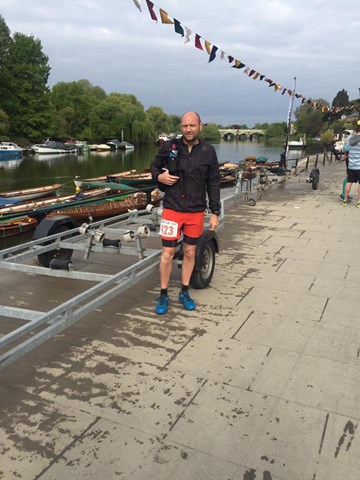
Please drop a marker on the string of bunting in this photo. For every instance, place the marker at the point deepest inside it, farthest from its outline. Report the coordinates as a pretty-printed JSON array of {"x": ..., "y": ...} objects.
[{"x": 213, "y": 52}]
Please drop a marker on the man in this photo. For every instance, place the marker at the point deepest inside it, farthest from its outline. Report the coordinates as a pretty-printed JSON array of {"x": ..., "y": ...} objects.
[
  {"x": 186, "y": 170},
  {"x": 354, "y": 165}
]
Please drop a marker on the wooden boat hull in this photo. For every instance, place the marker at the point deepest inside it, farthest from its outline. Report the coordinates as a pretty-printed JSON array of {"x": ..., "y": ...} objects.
[
  {"x": 108, "y": 208},
  {"x": 128, "y": 177},
  {"x": 30, "y": 193},
  {"x": 26, "y": 207},
  {"x": 17, "y": 226},
  {"x": 134, "y": 179}
]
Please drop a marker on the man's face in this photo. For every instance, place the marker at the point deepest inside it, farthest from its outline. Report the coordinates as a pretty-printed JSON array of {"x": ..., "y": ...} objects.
[{"x": 191, "y": 127}]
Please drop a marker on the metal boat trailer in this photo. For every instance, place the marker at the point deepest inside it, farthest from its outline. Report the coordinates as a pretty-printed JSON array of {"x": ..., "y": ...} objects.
[{"x": 57, "y": 247}]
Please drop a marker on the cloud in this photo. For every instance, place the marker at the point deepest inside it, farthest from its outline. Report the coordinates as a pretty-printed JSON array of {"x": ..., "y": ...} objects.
[{"x": 113, "y": 45}]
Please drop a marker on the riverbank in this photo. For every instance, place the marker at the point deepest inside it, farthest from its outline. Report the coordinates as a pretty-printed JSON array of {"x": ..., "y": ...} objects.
[{"x": 261, "y": 381}]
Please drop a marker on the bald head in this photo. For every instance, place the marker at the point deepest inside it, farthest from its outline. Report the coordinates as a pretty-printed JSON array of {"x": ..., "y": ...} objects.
[{"x": 191, "y": 126}]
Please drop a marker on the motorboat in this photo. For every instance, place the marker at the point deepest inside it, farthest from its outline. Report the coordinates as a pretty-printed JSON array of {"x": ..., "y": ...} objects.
[
  {"x": 8, "y": 150},
  {"x": 102, "y": 147},
  {"x": 51, "y": 146},
  {"x": 163, "y": 137},
  {"x": 297, "y": 144},
  {"x": 126, "y": 146},
  {"x": 114, "y": 144}
]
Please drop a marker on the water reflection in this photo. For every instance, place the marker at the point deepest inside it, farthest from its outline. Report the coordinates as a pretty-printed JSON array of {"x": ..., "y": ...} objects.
[{"x": 45, "y": 169}]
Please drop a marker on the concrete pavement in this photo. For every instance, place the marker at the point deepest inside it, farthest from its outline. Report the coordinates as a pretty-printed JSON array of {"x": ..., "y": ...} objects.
[{"x": 260, "y": 382}]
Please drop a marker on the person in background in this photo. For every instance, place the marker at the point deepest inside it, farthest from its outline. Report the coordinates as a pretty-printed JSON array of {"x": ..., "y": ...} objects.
[
  {"x": 345, "y": 158},
  {"x": 187, "y": 171},
  {"x": 354, "y": 165}
]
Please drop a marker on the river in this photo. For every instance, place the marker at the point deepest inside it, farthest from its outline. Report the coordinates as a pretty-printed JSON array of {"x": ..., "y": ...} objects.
[{"x": 39, "y": 170}]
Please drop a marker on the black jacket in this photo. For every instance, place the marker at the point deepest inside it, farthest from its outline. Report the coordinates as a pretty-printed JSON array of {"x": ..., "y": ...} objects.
[{"x": 198, "y": 172}]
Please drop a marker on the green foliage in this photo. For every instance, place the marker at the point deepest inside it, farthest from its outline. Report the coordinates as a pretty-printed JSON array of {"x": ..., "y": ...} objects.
[
  {"x": 159, "y": 119},
  {"x": 341, "y": 99},
  {"x": 276, "y": 130},
  {"x": 327, "y": 138},
  {"x": 210, "y": 132},
  {"x": 24, "y": 73},
  {"x": 175, "y": 123},
  {"x": 120, "y": 115},
  {"x": 4, "y": 123},
  {"x": 309, "y": 120}
]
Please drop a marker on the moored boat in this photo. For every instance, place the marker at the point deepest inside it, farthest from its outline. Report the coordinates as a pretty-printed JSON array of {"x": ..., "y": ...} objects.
[
  {"x": 102, "y": 147},
  {"x": 51, "y": 146},
  {"x": 109, "y": 207},
  {"x": 131, "y": 178},
  {"x": 17, "y": 226},
  {"x": 9, "y": 150},
  {"x": 28, "y": 193},
  {"x": 296, "y": 144},
  {"x": 163, "y": 137},
  {"x": 46, "y": 204},
  {"x": 126, "y": 146}
]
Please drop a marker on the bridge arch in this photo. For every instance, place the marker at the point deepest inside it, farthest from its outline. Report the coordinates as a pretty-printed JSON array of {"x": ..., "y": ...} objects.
[{"x": 250, "y": 133}]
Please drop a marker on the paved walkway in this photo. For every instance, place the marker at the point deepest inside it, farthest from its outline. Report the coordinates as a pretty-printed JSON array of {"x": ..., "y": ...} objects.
[{"x": 261, "y": 382}]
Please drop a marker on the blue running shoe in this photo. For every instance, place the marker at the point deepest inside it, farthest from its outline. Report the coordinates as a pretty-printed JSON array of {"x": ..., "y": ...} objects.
[
  {"x": 162, "y": 304},
  {"x": 187, "y": 301}
]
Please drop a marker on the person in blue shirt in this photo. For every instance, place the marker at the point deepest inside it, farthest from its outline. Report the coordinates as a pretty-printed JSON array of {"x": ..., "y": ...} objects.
[{"x": 354, "y": 166}]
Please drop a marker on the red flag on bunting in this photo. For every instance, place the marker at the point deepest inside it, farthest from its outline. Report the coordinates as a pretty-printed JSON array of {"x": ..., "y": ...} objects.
[
  {"x": 151, "y": 10},
  {"x": 197, "y": 42}
]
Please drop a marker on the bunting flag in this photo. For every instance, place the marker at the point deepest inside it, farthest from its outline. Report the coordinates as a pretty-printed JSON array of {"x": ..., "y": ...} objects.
[
  {"x": 151, "y": 10},
  {"x": 197, "y": 42},
  {"x": 238, "y": 64},
  {"x": 212, "y": 49},
  {"x": 165, "y": 18},
  {"x": 137, "y": 4},
  {"x": 178, "y": 28},
  {"x": 208, "y": 46},
  {"x": 213, "y": 53},
  {"x": 188, "y": 32}
]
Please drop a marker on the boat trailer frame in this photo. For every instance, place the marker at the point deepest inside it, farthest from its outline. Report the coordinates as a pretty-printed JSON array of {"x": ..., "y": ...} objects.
[{"x": 134, "y": 228}]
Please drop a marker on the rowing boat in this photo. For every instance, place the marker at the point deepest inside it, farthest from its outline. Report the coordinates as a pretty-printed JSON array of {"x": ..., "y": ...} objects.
[
  {"x": 29, "y": 193},
  {"x": 109, "y": 207},
  {"x": 131, "y": 178},
  {"x": 17, "y": 226},
  {"x": 48, "y": 203}
]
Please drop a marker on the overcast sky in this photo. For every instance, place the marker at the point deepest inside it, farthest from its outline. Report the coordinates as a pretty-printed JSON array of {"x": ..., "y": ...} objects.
[{"x": 115, "y": 46}]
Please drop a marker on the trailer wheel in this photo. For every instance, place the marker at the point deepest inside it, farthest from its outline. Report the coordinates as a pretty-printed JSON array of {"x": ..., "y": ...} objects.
[
  {"x": 63, "y": 254},
  {"x": 315, "y": 178},
  {"x": 202, "y": 276}
]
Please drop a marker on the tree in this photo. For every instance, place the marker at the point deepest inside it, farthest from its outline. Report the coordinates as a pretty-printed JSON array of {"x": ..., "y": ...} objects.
[
  {"x": 309, "y": 120},
  {"x": 24, "y": 94},
  {"x": 73, "y": 103},
  {"x": 4, "y": 123},
  {"x": 341, "y": 99},
  {"x": 175, "y": 123},
  {"x": 159, "y": 119},
  {"x": 276, "y": 130},
  {"x": 121, "y": 115},
  {"x": 210, "y": 133}
]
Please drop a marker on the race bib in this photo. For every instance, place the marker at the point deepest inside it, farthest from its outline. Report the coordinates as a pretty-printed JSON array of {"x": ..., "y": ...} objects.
[{"x": 168, "y": 229}]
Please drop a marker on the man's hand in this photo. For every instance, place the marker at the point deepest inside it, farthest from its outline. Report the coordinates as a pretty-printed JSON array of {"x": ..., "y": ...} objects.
[
  {"x": 213, "y": 222},
  {"x": 167, "y": 179}
]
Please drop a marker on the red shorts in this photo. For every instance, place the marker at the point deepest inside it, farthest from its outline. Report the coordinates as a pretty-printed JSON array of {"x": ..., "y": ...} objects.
[{"x": 173, "y": 224}]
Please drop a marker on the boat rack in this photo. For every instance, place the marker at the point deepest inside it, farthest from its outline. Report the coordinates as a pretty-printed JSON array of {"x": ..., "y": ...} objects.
[{"x": 133, "y": 234}]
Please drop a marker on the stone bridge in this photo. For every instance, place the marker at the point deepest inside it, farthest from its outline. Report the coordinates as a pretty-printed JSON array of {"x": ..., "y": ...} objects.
[{"x": 238, "y": 132}]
